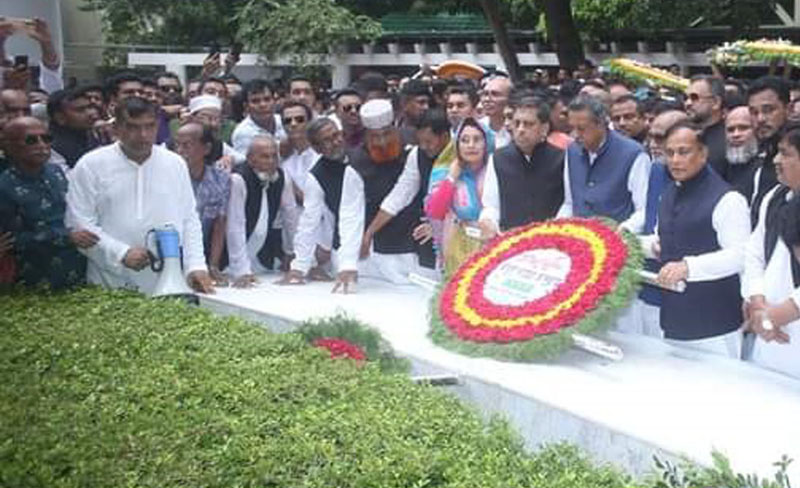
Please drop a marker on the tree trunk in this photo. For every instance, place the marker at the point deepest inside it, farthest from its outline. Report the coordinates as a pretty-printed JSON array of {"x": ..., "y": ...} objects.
[
  {"x": 562, "y": 32},
  {"x": 507, "y": 52}
]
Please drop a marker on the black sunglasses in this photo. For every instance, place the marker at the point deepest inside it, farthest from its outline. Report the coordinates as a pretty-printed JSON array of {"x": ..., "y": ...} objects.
[
  {"x": 352, "y": 107},
  {"x": 169, "y": 89},
  {"x": 32, "y": 139},
  {"x": 297, "y": 119}
]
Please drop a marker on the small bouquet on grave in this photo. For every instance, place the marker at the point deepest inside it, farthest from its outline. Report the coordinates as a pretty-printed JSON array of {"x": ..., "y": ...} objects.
[{"x": 346, "y": 337}]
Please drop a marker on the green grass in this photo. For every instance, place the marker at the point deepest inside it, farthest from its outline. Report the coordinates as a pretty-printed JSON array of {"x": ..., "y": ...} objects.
[{"x": 110, "y": 389}]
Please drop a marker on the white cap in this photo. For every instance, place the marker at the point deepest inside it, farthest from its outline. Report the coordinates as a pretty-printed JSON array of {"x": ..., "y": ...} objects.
[
  {"x": 204, "y": 101},
  {"x": 377, "y": 114}
]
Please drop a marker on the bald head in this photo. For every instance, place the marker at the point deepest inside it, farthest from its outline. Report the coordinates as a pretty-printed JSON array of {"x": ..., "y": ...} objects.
[
  {"x": 13, "y": 104},
  {"x": 658, "y": 131},
  {"x": 262, "y": 156},
  {"x": 26, "y": 142},
  {"x": 193, "y": 143}
]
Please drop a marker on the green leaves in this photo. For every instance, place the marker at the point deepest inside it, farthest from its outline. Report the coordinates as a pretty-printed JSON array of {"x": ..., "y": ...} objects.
[
  {"x": 300, "y": 28},
  {"x": 104, "y": 388}
]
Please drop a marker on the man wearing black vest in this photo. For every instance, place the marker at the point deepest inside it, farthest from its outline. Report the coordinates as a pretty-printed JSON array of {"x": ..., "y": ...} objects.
[
  {"x": 370, "y": 176},
  {"x": 320, "y": 203},
  {"x": 605, "y": 173},
  {"x": 523, "y": 181},
  {"x": 703, "y": 225},
  {"x": 262, "y": 214},
  {"x": 411, "y": 188},
  {"x": 768, "y": 100}
]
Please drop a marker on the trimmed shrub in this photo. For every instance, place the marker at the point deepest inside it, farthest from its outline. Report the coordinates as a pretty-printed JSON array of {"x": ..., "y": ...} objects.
[{"x": 112, "y": 389}]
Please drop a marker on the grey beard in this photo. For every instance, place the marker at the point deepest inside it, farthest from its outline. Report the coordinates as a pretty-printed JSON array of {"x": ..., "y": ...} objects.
[{"x": 741, "y": 154}]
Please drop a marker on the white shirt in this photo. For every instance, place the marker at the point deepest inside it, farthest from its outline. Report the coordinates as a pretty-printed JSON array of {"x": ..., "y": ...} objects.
[
  {"x": 298, "y": 164},
  {"x": 121, "y": 200},
  {"x": 315, "y": 216},
  {"x": 501, "y": 137},
  {"x": 406, "y": 187},
  {"x": 731, "y": 222},
  {"x": 638, "y": 177},
  {"x": 351, "y": 220},
  {"x": 243, "y": 251},
  {"x": 774, "y": 280},
  {"x": 247, "y": 129},
  {"x": 238, "y": 157}
]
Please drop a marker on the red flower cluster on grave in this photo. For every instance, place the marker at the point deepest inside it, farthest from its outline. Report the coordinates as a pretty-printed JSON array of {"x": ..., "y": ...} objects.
[
  {"x": 596, "y": 252},
  {"x": 340, "y": 348}
]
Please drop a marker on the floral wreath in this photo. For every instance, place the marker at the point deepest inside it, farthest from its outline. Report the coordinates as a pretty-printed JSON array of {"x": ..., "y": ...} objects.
[
  {"x": 739, "y": 53},
  {"x": 603, "y": 277},
  {"x": 644, "y": 73},
  {"x": 346, "y": 337}
]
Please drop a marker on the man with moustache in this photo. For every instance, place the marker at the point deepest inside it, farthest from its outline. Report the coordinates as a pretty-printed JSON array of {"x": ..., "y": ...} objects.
[
  {"x": 370, "y": 176},
  {"x": 705, "y": 106},
  {"x": 347, "y": 103},
  {"x": 768, "y": 100},
  {"x": 322, "y": 198},
  {"x": 741, "y": 150},
  {"x": 494, "y": 99},
  {"x": 703, "y": 225},
  {"x": 261, "y": 118}
]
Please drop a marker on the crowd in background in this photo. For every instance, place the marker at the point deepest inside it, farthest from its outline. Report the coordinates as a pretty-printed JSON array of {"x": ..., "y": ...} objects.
[{"x": 394, "y": 176}]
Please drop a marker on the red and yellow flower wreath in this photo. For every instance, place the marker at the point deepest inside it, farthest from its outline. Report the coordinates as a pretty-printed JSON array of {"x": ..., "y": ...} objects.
[{"x": 602, "y": 279}]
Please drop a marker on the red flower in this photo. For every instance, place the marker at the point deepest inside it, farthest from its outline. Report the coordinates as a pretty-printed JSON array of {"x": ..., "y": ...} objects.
[
  {"x": 340, "y": 348},
  {"x": 582, "y": 262}
]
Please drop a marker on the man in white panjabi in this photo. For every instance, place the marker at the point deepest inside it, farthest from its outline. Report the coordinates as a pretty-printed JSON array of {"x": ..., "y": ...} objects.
[
  {"x": 122, "y": 191},
  {"x": 771, "y": 279},
  {"x": 262, "y": 214}
]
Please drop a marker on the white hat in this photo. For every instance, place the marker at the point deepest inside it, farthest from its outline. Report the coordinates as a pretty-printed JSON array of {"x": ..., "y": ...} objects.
[
  {"x": 377, "y": 114},
  {"x": 204, "y": 101}
]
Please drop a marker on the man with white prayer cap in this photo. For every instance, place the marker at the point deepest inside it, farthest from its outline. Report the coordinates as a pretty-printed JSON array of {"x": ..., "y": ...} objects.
[
  {"x": 372, "y": 173},
  {"x": 207, "y": 110}
]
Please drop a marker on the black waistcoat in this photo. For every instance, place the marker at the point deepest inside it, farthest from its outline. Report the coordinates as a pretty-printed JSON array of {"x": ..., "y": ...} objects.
[
  {"x": 379, "y": 179},
  {"x": 777, "y": 212},
  {"x": 427, "y": 257},
  {"x": 529, "y": 191},
  {"x": 330, "y": 176},
  {"x": 273, "y": 244},
  {"x": 706, "y": 308}
]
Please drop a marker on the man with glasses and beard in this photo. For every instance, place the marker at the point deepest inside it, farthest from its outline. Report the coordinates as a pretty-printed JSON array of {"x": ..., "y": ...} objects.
[
  {"x": 347, "y": 104},
  {"x": 321, "y": 201},
  {"x": 741, "y": 150},
  {"x": 370, "y": 176},
  {"x": 295, "y": 117}
]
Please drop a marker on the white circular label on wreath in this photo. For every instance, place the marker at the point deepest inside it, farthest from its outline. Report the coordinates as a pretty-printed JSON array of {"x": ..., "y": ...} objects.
[{"x": 526, "y": 277}]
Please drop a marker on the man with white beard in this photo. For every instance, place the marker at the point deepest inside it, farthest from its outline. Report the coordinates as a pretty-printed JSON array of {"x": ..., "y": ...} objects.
[{"x": 741, "y": 150}]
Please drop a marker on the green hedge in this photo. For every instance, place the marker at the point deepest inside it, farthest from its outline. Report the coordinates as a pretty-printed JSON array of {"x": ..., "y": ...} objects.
[{"x": 110, "y": 389}]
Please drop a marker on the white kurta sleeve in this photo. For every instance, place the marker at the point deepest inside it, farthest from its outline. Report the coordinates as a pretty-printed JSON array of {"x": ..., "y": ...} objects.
[
  {"x": 406, "y": 187},
  {"x": 235, "y": 233},
  {"x": 755, "y": 262},
  {"x": 731, "y": 222},
  {"x": 289, "y": 213},
  {"x": 638, "y": 178},
  {"x": 566, "y": 207},
  {"x": 194, "y": 258},
  {"x": 50, "y": 80},
  {"x": 305, "y": 240},
  {"x": 83, "y": 200},
  {"x": 241, "y": 138},
  {"x": 490, "y": 200},
  {"x": 351, "y": 220}
]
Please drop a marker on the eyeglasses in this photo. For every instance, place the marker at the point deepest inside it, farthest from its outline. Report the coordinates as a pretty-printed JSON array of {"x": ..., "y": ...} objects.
[
  {"x": 32, "y": 139},
  {"x": 353, "y": 107},
  {"x": 170, "y": 89},
  {"x": 297, "y": 119}
]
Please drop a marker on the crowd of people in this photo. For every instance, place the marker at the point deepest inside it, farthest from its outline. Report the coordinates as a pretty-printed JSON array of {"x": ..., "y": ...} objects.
[{"x": 390, "y": 177}]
